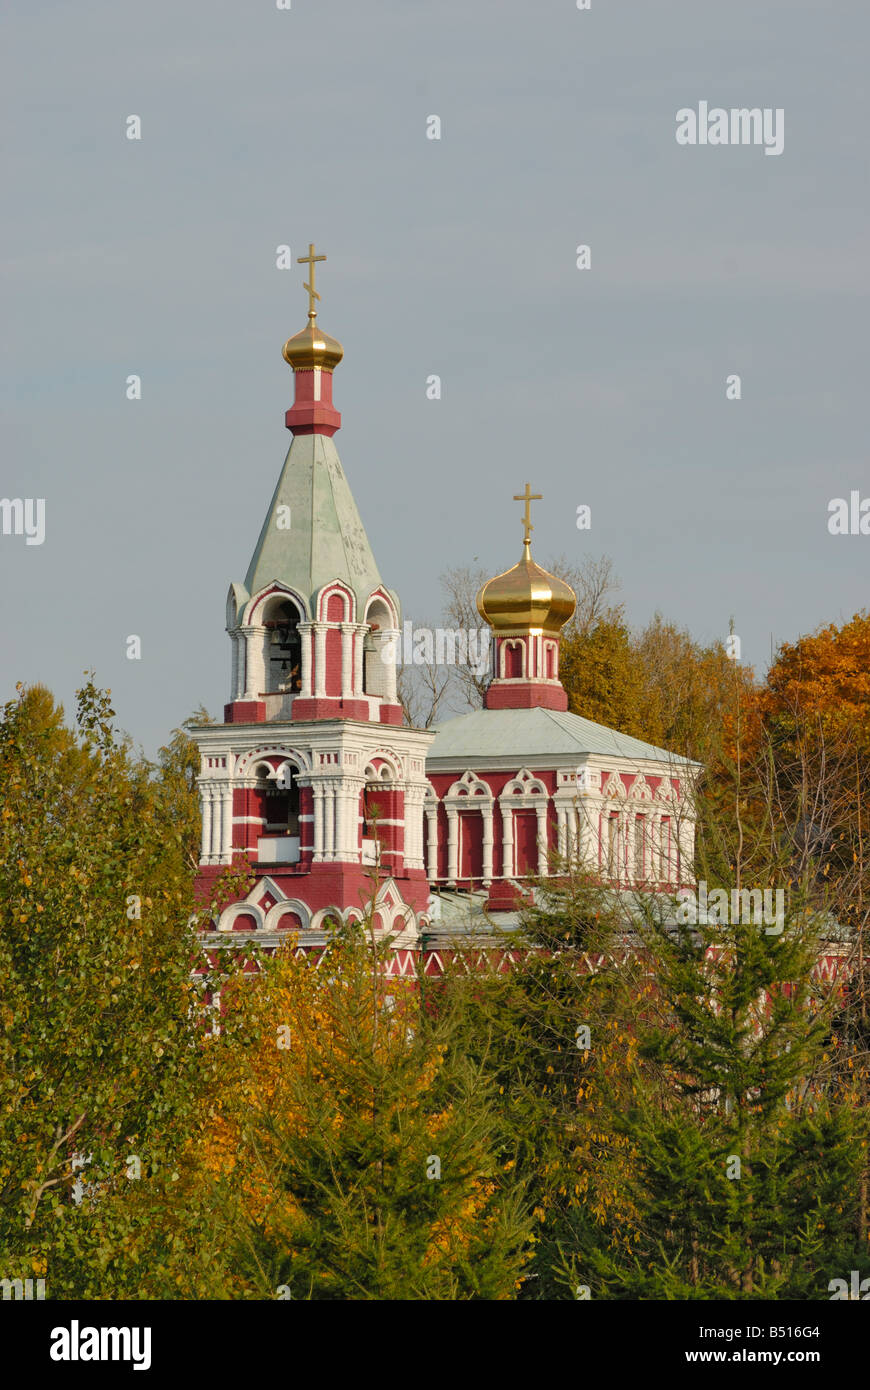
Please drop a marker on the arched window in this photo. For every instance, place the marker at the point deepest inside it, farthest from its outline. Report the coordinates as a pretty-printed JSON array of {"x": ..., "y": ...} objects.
[
  {"x": 283, "y": 647},
  {"x": 513, "y": 660},
  {"x": 280, "y": 799}
]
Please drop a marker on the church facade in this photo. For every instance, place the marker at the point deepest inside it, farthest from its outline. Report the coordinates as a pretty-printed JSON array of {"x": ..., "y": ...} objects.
[{"x": 338, "y": 807}]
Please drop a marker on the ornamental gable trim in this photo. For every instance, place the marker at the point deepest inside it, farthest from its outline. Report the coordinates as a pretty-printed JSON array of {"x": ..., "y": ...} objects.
[
  {"x": 276, "y": 755},
  {"x": 524, "y": 785},
  {"x": 469, "y": 789},
  {"x": 615, "y": 787},
  {"x": 254, "y": 609}
]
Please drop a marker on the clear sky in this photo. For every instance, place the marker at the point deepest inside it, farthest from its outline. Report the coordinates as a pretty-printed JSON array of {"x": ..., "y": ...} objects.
[{"x": 604, "y": 387}]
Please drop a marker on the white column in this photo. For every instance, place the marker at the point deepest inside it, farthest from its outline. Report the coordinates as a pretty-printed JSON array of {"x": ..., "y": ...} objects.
[
  {"x": 346, "y": 824},
  {"x": 391, "y": 637},
  {"x": 654, "y": 846},
  {"x": 205, "y": 802},
  {"x": 562, "y": 831},
  {"x": 317, "y": 789},
  {"x": 329, "y": 820},
  {"x": 215, "y": 794},
  {"x": 624, "y": 861},
  {"x": 305, "y": 634},
  {"x": 358, "y": 652},
  {"x": 452, "y": 844},
  {"x": 346, "y": 660},
  {"x": 234, "y": 677},
  {"x": 432, "y": 840},
  {"x": 227, "y": 823},
  {"x": 507, "y": 842},
  {"x": 686, "y": 836},
  {"x": 487, "y": 845},
  {"x": 590, "y": 851},
  {"x": 319, "y": 660},
  {"x": 541, "y": 810},
  {"x": 255, "y": 664},
  {"x": 339, "y": 847}
]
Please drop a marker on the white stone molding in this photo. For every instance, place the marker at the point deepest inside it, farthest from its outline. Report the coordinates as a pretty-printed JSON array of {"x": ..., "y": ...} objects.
[
  {"x": 615, "y": 788},
  {"x": 276, "y": 912},
  {"x": 468, "y": 791},
  {"x": 336, "y": 586},
  {"x": 525, "y": 791},
  {"x": 641, "y": 789},
  {"x": 240, "y": 909},
  {"x": 512, "y": 643}
]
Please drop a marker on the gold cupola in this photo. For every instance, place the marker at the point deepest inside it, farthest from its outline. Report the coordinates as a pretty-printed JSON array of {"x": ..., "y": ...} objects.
[
  {"x": 312, "y": 347},
  {"x": 526, "y": 598}
]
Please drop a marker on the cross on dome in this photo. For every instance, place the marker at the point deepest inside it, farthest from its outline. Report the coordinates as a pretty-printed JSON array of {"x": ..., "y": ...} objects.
[
  {"x": 528, "y": 497},
  {"x": 309, "y": 260}
]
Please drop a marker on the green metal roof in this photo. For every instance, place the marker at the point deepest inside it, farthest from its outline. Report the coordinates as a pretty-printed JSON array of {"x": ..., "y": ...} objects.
[
  {"x": 518, "y": 734},
  {"x": 326, "y": 539}
]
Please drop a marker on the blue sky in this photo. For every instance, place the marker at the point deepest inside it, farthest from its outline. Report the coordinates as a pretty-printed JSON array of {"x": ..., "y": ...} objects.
[{"x": 455, "y": 257}]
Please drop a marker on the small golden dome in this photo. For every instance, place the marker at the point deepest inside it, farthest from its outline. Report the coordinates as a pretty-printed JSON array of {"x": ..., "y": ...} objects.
[
  {"x": 526, "y": 597},
  {"x": 312, "y": 348}
]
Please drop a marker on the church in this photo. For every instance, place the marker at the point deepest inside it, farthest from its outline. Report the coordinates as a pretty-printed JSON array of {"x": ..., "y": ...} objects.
[{"x": 338, "y": 806}]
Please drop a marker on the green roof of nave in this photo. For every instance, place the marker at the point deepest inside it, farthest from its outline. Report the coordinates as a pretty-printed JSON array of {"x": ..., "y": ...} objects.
[
  {"x": 487, "y": 734},
  {"x": 326, "y": 539}
]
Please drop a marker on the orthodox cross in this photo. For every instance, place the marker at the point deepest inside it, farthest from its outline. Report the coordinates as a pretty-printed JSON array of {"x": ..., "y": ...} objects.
[
  {"x": 527, "y": 497},
  {"x": 312, "y": 292}
]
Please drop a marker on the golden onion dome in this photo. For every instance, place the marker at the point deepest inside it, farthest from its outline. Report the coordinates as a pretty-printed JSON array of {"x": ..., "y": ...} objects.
[
  {"x": 526, "y": 597},
  {"x": 312, "y": 348}
]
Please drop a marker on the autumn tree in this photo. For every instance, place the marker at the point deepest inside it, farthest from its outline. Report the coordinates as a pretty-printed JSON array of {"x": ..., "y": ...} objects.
[
  {"x": 98, "y": 1071},
  {"x": 352, "y": 1151}
]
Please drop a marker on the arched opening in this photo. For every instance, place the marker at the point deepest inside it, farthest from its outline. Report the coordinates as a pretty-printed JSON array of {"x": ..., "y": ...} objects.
[
  {"x": 374, "y": 808},
  {"x": 375, "y": 657},
  {"x": 283, "y": 648},
  {"x": 281, "y": 801}
]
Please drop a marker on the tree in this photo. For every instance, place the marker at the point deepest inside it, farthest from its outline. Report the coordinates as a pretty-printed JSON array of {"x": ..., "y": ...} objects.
[
  {"x": 98, "y": 1011},
  {"x": 603, "y": 676},
  {"x": 537, "y": 1015},
  {"x": 351, "y": 1150},
  {"x": 747, "y": 1157}
]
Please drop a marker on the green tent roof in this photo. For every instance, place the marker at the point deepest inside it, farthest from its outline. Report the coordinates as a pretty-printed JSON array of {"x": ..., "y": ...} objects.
[{"x": 326, "y": 539}]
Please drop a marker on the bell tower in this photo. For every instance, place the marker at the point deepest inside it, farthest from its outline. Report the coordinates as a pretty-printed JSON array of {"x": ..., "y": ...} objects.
[{"x": 312, "y": 778}]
